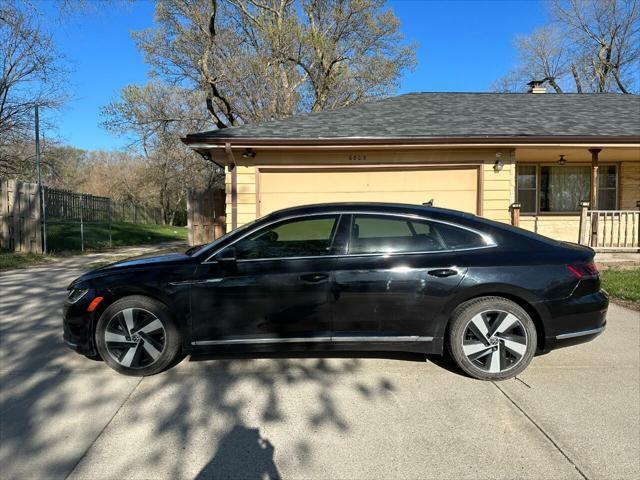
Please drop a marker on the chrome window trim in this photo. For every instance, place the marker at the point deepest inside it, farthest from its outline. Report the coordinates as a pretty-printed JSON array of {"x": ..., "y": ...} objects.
[
  {"x": 581, "y": 333},
  {"x": 381, "y": 338},
  {"x": 490, "y": 243},
  {"x": 315, "y": 339}
]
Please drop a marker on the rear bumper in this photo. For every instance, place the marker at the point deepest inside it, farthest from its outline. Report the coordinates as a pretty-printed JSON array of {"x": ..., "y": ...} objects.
[
  {"x": 577, "y": 337},
  {"x": 576, "y": 320},
  {"x": 593, "y": 332}
]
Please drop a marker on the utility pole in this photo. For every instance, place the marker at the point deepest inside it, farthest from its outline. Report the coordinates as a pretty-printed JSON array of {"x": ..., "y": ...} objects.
[
  {"x": 38, "y": 146},
  {"x": 40, "y": 189}
]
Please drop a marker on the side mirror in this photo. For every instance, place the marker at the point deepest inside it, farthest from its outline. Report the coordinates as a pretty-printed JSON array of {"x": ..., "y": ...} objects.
[{"x": 227, "y": 256}]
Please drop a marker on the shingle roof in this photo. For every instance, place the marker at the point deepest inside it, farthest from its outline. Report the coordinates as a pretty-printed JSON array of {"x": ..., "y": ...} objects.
[{"x": 440, "y": 115}]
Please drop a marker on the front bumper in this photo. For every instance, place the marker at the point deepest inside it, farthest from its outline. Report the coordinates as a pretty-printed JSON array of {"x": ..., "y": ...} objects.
[{"x": 78, "y": 325}]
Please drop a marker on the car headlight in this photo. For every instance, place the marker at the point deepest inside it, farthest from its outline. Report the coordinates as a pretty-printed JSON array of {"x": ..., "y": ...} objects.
[{"x": 76, "y": 294}]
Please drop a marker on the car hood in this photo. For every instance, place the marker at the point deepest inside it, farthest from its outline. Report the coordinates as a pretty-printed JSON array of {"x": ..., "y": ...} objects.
[
  {"x": 154, "y": 259},
  {"x": 142, "y": 262}
]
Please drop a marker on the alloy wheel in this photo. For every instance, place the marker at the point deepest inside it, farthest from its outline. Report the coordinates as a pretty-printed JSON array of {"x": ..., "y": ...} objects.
[
  {"x": 135, "y": 338},
  {"x": 494, "y": 341}
]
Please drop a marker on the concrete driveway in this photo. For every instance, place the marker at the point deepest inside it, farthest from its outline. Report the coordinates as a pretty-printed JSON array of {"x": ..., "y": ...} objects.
[{"x": 574, "y": 413}]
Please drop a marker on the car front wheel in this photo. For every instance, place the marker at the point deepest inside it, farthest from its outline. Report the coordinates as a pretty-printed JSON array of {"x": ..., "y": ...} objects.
[
  {"x": 492, "y": 338},
  {"x": 137, "y": 336}
]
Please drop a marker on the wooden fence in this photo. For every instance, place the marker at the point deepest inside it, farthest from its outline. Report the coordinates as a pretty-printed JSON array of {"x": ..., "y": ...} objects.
[
  {"x": 205, "y": 216},
  {"x": 20, "y": 228}
]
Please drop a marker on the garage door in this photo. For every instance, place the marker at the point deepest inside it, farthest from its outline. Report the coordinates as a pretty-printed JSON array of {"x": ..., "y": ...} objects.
[{"x": 455, "y": 188}]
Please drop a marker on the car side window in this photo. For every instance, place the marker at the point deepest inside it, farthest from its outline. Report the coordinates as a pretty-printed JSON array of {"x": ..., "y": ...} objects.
[
  {"x": 458, "y": 238},
  {"x": 384, "y": 234},
  {"x": 300, "y": 237}
]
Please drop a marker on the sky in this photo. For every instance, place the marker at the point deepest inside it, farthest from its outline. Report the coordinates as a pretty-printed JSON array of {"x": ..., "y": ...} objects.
[{"x": 463, "y": 46}]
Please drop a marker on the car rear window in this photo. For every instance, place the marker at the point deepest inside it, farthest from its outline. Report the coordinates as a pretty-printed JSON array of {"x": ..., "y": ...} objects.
[{"x": 384, "y": 234}]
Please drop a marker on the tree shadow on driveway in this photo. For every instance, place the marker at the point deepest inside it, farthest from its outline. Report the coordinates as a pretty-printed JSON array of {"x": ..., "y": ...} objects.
[{"x": 60, "y": 412}]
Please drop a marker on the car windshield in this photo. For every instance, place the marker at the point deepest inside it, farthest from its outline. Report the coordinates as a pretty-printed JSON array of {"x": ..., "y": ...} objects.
[{"x": 197, "y": 249}]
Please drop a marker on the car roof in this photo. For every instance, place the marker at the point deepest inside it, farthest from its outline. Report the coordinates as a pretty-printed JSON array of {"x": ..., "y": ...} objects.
[
  {"x": 372, "y": 207},
  {"x": 486, "y": 225}
]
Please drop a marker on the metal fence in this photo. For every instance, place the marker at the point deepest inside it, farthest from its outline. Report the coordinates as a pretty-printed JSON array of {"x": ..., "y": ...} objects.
[
  {"x": 65, "y": 220},
  {"x": 127, "y": 212},
  {"x": 77, "y": 221}
]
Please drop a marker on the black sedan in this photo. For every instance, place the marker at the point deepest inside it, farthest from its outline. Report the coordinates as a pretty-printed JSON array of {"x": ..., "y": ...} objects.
[{"x": 350, "y": 277}]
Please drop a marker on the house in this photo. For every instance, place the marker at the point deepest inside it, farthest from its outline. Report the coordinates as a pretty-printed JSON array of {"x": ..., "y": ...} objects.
[{"x": 484, "y": 153}]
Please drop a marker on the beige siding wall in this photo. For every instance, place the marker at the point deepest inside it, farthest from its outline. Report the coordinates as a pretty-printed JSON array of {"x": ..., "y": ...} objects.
[
  {"x": 498, "y": 188},
  {"x": 629, "y": 185},
  {"x": 560, "y": 227},
  {"x": 246, "y": 196}
]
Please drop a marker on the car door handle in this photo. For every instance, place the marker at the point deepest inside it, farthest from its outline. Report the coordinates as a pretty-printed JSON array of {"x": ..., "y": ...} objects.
[
  {"x": 442, "y": 272},
  {"x": 314, "y": 277}
]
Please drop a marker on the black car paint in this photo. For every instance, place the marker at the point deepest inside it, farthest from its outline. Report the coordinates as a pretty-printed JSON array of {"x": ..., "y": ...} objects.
[{"x": 351, "y": 295}]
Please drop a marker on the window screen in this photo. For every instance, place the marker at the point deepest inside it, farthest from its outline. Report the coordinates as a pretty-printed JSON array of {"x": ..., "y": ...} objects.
[
  {"x": 527, "y": 186},
  {"x": 607, "y": 187}
]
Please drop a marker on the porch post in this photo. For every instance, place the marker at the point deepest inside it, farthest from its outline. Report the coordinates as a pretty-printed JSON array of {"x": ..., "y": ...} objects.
[
  {"x": 515, "y": 214},
  {"x": 582, "y": 229},
  {"x": 594, "y": 193}
]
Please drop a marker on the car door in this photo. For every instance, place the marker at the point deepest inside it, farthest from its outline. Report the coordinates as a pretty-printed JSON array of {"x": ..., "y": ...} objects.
[
  {"x": 272, "y": 285},
  {"x": 397, "y": 276}
]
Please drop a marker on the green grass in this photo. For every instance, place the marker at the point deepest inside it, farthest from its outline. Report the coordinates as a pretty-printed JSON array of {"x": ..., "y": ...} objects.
[
  {"x": 10, "y": 260},
  {"x": 66, "y": 236},
  {"x": 622, "y": 284}
]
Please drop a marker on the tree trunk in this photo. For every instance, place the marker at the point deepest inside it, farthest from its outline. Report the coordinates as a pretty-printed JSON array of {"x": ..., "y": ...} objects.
[
  {"x": 554, "y": 85},
  {"x": 576, "y": 78}
]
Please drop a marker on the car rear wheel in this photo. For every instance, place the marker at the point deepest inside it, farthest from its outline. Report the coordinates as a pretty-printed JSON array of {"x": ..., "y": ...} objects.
[
  {"x": 492, "y": 338},
  {"x": 137, "y": 336}
]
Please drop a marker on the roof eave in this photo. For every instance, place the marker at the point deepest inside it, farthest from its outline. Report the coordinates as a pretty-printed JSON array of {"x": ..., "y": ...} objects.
[{"x": 203, "y": 142}]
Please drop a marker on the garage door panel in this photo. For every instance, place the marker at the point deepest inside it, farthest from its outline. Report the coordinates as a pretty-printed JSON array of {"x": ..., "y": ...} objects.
[
  {"x": 380, "y": 181},
  {"x": 449, "y": 188}
]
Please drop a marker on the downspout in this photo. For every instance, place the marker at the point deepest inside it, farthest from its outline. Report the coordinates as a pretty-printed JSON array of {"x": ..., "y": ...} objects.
[{"x": 234, "y": 185}]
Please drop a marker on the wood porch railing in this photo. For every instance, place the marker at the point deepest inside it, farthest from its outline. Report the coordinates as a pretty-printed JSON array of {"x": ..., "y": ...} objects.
[{"x": 610, "y": 229}]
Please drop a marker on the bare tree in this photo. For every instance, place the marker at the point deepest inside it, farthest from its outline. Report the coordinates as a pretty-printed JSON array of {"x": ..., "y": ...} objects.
[
  {"x": 154, "y": 117},
  {"x": 590, "y": 46},
  {"x": 32, "y": 73},
  {"x": 256, "y": 60}
]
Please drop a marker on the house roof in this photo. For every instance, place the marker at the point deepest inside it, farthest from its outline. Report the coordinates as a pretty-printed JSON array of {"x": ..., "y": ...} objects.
[{"x": 451, "y": 115}]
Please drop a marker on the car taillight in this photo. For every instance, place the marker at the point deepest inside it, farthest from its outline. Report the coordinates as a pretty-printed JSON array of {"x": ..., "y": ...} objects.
[{"x": 584, "y": 271}]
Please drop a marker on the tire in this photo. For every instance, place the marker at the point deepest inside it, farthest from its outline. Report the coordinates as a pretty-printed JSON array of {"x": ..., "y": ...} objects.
[
  {"x": 492, "y": 338},
  {"x": 137, "y": 336}
]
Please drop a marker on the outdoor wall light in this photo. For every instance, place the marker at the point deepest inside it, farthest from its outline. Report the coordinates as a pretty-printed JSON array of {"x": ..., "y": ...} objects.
[
  {"x": 562, "y": 161},
  {"x": 498, "y": 166},
  {"x": 249, "y": 153}
]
